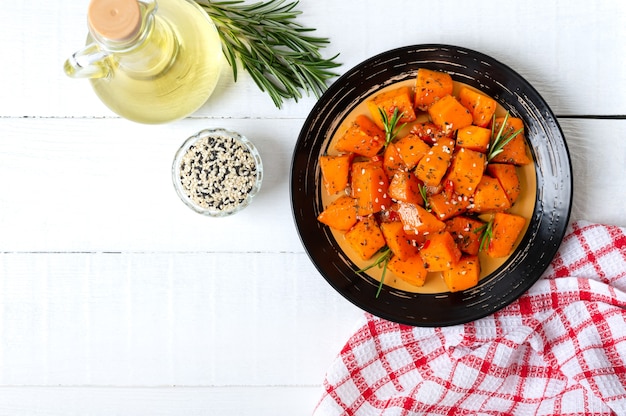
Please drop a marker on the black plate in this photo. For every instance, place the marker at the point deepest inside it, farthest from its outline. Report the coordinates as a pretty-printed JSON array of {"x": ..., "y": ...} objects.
[{"x": 547, "y": 225}]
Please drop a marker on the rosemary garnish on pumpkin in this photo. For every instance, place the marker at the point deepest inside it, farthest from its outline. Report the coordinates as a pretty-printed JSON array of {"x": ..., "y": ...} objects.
[
  {"x": 497, "y": 140},
  {"x": 486, "y": 233},
  {"x": 278, "y": 53},
  {"x": 381, "y": 261},
  {"x": 391, "y": 124},
  {"x": 424, "y": 196}
]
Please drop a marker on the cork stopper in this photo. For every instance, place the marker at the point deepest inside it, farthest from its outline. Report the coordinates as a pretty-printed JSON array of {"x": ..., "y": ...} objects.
[{"x": 116, "y": 20}]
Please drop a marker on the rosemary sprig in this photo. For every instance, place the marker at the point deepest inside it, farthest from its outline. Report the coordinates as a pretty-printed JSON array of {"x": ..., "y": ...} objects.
[
  {"x": 277, "y": 52},
  {"x": 424, "y": 195},
  {"x": 498, "y": 141},
  {"x": 381, "y": 261},
  {"x": 391, "y": 124},
  {"x": 486, "y": 233}
]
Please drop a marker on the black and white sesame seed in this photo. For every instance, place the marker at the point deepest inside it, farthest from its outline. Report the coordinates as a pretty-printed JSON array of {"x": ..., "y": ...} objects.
[{"x": 218, "y": 172}]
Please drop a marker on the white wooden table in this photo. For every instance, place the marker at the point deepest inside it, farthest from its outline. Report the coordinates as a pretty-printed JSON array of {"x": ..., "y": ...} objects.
[{"x": 116, "y": 299}]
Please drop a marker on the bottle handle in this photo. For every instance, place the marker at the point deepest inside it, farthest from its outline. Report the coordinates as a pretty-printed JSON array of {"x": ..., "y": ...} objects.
[{"x": 88, "y": 62}]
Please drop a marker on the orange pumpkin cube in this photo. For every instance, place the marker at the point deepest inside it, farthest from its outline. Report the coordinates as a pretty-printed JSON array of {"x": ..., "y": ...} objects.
[
  {"x": 404, "y": 187},
  {"x": 430, "y": 86},
  {"x": 335, "y": 172},
  {"x": 362, "y": 137},
  {"x": 514, "y": 152},
  {"x": 429, "y": 132},
  {"x": 446, "y": 206},
  {"x": 369, "y": 185},
  {"x": 440, "y": 252},
  {"x": 392, "y": 161},
  {"x": 508, "y": 178},
  {"x": 463, "y": 275},
  {"x": 411, "y": 149},
  {"x": 489, "y": 196},
  {"x": 449, "y": 114},
  {"x": 466, "y": 171},
  {"x": 390, "y": 100},
  {"x": 339, "y": 214},
  {"x": 505, "y": 231},
  {"x": 410, "y": 270},
  {"x": 418, "y": 220},
  {"x": 434, "y": 165},
  {"x": 397, "y": 240},
  {"x": 464, "y": 230},
  {"x": 474, "y": 138},
  {"x": 365, "y": 237},
  {"x": 481, "y": 106}
]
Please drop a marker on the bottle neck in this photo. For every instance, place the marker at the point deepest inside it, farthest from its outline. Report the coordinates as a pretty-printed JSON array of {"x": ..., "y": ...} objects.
[
  {"x": 154, "y": 54},
  {"x": 149, "y": 51}
]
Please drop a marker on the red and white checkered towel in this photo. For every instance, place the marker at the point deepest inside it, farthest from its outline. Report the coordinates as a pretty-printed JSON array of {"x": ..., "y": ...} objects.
[{"x": 560, "y": 349}]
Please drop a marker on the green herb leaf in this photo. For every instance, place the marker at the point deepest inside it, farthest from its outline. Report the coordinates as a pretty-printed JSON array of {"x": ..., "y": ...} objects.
[
  {"x": 391, "y": 124},
  {"x": 486, "y": 233},
  {"x": 280, "y": 55},
  {"x": 381, "y": 261},
  {"x": 498, "y": 141},
  {"x": 424, "y": 195}
]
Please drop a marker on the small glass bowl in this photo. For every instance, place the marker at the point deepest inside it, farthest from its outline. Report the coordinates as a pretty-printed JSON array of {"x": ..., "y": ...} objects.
[{"x": 217, "y": 172}]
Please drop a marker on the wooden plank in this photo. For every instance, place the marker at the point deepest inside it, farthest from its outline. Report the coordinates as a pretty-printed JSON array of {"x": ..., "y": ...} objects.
[
  {"x": 155, "y": 319},
  {"x": 159, "y": 401},
  {"x": 57, "y": 193},
  {"x": 105, "y": 185},
  {"x": 554, "y": 61},
  {"x": 598, "y": 154}
]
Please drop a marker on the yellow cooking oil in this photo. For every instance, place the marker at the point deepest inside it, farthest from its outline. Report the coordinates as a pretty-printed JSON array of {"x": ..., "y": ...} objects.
[{"x": 166, "y": 71}]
